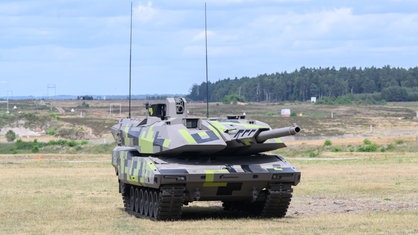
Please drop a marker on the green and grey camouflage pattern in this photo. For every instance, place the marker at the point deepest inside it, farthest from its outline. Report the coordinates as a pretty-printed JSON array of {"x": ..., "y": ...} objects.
[{"x": 168, "y": 159}]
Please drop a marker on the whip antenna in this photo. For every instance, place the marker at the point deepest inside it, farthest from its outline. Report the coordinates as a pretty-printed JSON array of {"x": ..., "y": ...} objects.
[
  {"x": 130, "y": 65},
  {"x": 207, "y": 82}
]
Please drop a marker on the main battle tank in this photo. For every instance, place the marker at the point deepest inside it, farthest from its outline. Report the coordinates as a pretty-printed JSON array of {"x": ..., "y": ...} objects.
[{"x": 168, "y": 160}]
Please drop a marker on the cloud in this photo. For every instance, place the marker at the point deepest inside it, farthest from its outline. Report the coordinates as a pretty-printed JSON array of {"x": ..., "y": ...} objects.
[
  {"x": 43, "y": 41},
  {"x": 333, "y": 26},
  {"x": 244, "y": 2},
  {"x": 293, "y": 25},
  {"x": 145, "y": 12},
  {"x": 215, "y": 51}
]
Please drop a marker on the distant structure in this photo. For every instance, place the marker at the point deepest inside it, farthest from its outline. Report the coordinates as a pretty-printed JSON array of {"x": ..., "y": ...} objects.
[
  {"x": 285, "y": 112},
  {"x": 52, "y": 87},
  {"x": 313, "y": 99},
  {"x": 85, "y": 97}
]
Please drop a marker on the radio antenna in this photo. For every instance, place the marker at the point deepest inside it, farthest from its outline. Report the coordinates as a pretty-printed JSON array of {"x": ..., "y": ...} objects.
[
  {"x": 130, "y": 65},
  {"x": 207, "y": 82}
]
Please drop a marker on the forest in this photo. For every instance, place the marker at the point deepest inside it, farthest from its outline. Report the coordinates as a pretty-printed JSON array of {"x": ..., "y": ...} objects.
[{"x": 343, "y": 85}]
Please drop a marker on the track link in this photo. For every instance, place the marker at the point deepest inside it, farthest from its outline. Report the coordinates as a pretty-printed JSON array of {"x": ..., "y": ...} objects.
[
  {"x": 171, "y": 201},
  {"x": 274, "y": 203},
  {"x": 164, "y": 203},
  {"x": 277, "y": 202}
]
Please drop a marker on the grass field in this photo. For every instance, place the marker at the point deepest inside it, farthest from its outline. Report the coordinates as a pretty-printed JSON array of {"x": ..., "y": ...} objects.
[
  {"x": 371, "y": 193},
  {"x": 343, "y": 190}
]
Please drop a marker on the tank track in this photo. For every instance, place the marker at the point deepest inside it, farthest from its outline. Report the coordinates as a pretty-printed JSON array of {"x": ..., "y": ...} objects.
[
  {"x": 164, "y": 203},
  {"x": 274, "y": 203},
  {"x": 277, "y": 201}
]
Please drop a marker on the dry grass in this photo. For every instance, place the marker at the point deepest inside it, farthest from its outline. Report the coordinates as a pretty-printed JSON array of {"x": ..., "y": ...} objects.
[
  {"x": 340, "y": 193},
  {"x": 391, "y": 119},
  {"x": 56, "y": 194}
]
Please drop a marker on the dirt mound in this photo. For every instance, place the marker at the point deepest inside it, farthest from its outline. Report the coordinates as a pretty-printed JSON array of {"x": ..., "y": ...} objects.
[{"x": 22, "y": 131}]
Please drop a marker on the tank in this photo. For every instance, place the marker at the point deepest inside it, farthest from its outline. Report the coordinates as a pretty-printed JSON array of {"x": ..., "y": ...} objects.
[{"x": 168, "y": 160}]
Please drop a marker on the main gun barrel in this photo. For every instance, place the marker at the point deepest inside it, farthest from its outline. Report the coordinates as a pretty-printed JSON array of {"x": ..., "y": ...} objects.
[{"x": 276, "y": 133}]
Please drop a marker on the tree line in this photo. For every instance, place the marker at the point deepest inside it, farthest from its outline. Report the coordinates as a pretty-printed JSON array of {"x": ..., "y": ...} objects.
[{"x": 386, "y": 83}]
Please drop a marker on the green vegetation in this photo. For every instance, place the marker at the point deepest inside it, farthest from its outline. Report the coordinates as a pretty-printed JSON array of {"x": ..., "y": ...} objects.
[
  {"x": 4, "y": 119},
  {"x": 84, "y": 105},
  {"x": 353, "y": 99},
  {"x": 53, "y": 146},
  {"x": 336, "y": 149},
  {"x": 327, "y": 143},
  {"x": 367, "y": 146},
  {"x": 232, "y": 99},
  {"x": 10, "y": 136},
  {"x": 337, "y": 86},
  {"x": 314, "y": 153},
  {"x": 54, "y": 116},
  {"x": 51, "y": 131}
]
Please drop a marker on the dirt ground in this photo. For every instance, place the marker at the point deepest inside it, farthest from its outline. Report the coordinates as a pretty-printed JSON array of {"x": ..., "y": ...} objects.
[
  {"x": 304, "y": 205},
  {"x": 301, "y": 206}
]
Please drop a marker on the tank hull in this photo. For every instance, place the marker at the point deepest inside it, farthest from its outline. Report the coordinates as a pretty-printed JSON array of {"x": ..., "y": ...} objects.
[
  {"x": 168, "y": 159},
  {"x": 250, "y": 180}
]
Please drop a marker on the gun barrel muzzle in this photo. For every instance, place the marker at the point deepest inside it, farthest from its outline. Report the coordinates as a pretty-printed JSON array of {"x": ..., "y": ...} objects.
[{"x": 276, "y": 133}]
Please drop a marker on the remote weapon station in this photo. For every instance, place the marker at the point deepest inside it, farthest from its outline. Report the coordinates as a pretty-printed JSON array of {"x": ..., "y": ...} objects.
[{"x": 168, "y": 160}]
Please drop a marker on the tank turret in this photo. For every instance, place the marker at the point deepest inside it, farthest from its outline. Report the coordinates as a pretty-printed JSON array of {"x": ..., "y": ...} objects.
[
  {"x": 250, "y": 136},
  {"x": 169, "y": 159},
  {"x": 168, "y": 130}
]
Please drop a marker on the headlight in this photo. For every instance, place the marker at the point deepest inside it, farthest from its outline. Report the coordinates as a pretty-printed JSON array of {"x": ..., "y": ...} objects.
[{"x": 175, "y": 177}]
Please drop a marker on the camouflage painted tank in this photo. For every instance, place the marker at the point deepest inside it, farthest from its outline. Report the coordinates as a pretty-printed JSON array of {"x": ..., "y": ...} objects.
[{"x": 168, "y": 160}]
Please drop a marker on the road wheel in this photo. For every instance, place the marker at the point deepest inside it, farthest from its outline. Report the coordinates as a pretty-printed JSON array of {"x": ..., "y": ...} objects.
[
  {"x": 131, "y": 198},
  {"x": 151, "y": 203},
  {"x": 137, "y": 198},
  {"x": 141, "y": 202},
  {"x": 156, "y": 203},
  {"x": 146, "y": 202}
]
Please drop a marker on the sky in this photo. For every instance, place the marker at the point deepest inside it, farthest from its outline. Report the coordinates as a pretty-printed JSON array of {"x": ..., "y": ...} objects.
[{"x": 78, "y": 47}]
